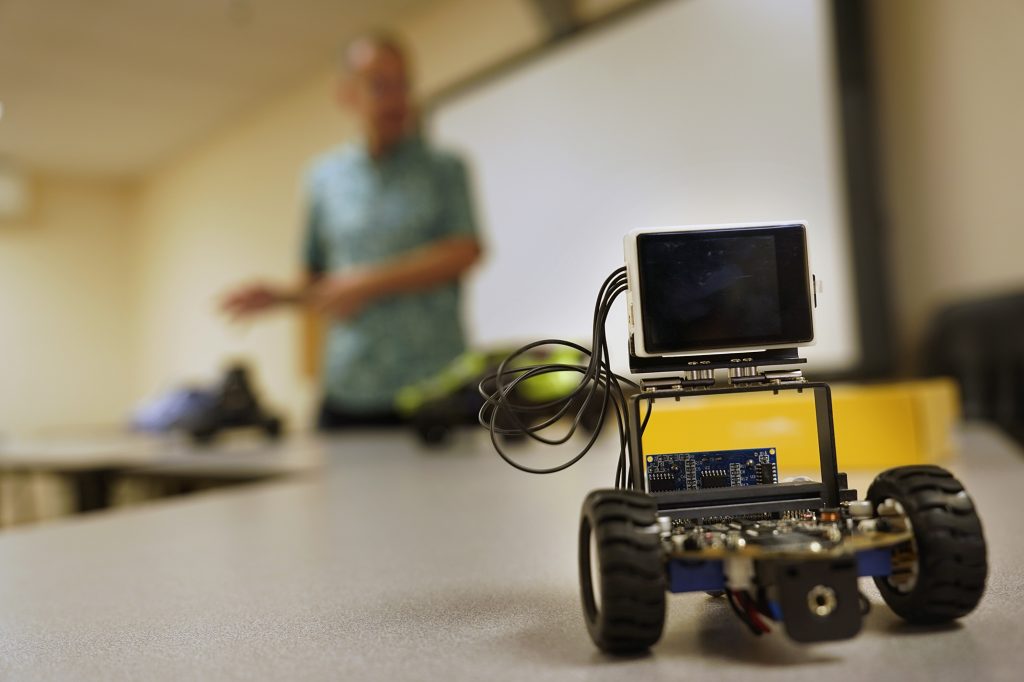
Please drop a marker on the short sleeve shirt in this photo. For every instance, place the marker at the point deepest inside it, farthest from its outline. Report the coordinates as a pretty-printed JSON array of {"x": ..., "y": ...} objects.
[{"x": 362, "y": 211}]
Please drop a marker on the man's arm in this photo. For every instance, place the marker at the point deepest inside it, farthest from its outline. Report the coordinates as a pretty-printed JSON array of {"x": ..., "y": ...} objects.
[
  {"x": 346, "y": 293},
  {"x": 259, "y": 297}
]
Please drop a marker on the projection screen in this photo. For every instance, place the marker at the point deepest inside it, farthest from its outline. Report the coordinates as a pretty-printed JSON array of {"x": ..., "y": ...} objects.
[{"x": 692, "y": 111}]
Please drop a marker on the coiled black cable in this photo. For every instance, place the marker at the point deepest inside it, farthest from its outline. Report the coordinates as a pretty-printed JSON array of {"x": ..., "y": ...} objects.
[{"x": 503, "y": 415}]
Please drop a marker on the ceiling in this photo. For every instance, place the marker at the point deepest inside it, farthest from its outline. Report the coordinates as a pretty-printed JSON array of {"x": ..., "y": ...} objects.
[{"x": 113, "y": 87}]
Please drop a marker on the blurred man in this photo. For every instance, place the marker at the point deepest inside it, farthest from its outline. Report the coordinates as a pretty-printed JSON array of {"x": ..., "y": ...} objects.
[{"x": 390, "y": 232}]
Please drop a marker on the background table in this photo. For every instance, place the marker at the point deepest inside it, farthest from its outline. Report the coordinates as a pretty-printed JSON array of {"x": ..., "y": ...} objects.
[
  {"x": 397, "y": 563},
  {"x": 94, "y": 461}
]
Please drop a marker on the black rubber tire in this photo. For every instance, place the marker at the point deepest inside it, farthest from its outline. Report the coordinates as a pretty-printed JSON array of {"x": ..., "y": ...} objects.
[
  {"x": 950, "y": 546},
  {"x": 433, "y": 434},
  {"x": 204, "y": 436},
  {"x": 630, "y": 571},
  {"x": 272, "y": 427}
]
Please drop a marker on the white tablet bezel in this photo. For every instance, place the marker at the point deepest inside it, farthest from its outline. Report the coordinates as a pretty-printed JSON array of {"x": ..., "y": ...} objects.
[{"x": 635, "y": 314}]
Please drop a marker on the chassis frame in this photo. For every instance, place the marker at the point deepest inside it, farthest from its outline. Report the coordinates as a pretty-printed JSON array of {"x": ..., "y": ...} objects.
[{"x": 813, "y": 592}]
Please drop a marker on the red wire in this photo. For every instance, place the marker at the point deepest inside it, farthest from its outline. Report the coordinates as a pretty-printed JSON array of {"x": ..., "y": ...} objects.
[
  {"x": 742, "y": 612},
  {"x": 755, "y": 617}
]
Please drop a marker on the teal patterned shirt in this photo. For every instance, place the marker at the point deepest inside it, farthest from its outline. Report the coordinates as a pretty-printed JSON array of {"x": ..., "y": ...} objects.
[{"x": 362, "y": 211}]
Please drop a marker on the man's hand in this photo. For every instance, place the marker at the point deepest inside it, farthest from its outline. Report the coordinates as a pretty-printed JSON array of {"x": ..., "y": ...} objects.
[
  {"x": 342, "y": 295},
  {"x": 251, "y": 299}
]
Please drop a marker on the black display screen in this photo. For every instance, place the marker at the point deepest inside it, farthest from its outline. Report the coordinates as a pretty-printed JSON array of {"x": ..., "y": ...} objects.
[{"x": 726, "y": 288}]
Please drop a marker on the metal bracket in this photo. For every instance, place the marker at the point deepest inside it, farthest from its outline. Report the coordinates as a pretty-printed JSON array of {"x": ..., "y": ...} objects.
[{"x": 753, "y": 375}]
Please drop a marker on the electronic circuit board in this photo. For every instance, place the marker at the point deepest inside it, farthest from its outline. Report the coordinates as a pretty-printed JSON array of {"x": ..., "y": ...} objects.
[
  {"x": 799, "y": 534},
  {"x": 714, "y": 469}
]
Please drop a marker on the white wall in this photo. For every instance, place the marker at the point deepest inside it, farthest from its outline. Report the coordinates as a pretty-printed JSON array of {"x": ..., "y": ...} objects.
[
  {"x": 951, "y": 104},
  {"x": 100, "y": 305},
  {"x": 695, "y": 112},
  {"x": 66, "y": 353}
]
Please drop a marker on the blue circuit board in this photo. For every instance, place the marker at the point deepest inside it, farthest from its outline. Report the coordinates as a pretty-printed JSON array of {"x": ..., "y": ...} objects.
[{"x": 714, "y": 469}]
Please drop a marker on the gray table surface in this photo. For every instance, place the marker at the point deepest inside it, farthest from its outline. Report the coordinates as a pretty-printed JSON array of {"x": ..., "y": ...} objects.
[{"x": 398, "y": 564}]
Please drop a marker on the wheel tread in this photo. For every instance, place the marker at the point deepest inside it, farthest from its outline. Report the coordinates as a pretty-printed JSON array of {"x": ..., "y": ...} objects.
[
  {"x": 950, "y": 542},
  {"x": 631, "y": 578}
]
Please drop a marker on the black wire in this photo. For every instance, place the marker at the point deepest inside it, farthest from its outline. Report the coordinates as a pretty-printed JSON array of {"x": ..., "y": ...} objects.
[
  {"x": 501, "y": 398},
  {"x": 731, "y": 597},
  {"x": 505, "y": 415},
  {"x": 751, "y": 609}
]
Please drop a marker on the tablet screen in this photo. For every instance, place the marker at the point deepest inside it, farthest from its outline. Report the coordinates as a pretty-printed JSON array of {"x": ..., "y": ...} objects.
[{"x": 726, "y": 288}]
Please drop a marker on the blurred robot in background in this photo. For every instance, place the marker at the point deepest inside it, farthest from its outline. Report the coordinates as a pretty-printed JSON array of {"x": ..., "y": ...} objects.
[{"x": 390, "y": 232}]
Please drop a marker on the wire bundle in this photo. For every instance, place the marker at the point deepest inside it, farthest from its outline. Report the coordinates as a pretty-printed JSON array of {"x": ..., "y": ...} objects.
[
  {"x": 747, "y": 610},
  {"x": 505, "y": 415}
]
